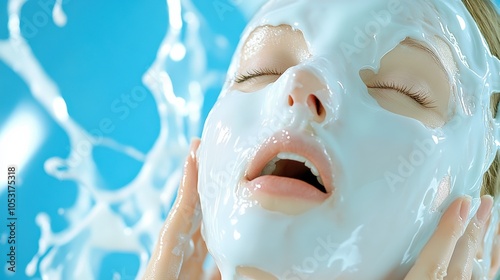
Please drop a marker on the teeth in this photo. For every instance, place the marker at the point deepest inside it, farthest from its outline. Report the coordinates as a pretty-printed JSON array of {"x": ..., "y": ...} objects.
[
  {"x": 312, "y": 167},
  {"x": 291, "y": 156},
  {"x": 319, "y": 180},
  {"x": 270, "y": 167},
  {"x": 295, "y": 157}
]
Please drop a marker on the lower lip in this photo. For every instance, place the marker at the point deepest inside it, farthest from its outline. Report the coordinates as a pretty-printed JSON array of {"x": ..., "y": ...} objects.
[{"x": 285, "y": 187}]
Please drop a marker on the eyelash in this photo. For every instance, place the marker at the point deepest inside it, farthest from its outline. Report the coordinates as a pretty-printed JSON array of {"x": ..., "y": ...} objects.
[
  {"x": 241, "y": 78},
  {"x": 420, "y": 97}
]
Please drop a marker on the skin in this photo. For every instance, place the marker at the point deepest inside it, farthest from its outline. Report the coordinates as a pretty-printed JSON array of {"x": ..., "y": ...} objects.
[
  {"x": 278, "y": 48},
  {"x": 267, "y": 53},
  {"x": 182, "y": 219},
  {"x": 449, "y": 254}
]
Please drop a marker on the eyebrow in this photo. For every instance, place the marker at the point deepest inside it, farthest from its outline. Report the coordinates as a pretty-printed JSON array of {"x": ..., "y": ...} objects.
[{"x": 416, "y": 44}]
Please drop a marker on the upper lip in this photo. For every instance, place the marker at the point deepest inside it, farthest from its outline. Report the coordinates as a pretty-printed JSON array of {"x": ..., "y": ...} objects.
[{"x": 296, "y": 143}]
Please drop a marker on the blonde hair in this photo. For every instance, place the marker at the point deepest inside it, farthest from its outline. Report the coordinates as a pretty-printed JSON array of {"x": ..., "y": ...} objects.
[{"x": 488, "y": 21}]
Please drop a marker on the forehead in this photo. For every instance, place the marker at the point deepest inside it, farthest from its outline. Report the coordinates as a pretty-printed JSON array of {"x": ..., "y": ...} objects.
[
  {"x": 265, "y": 37},
  {"x": 347, "y": 28},
  {"x": 339, "y": 30},
  {"x": 358, "y": 33}
]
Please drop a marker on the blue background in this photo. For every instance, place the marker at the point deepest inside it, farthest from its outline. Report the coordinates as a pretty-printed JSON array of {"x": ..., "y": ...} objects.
[{"x": 100, "y": 54}]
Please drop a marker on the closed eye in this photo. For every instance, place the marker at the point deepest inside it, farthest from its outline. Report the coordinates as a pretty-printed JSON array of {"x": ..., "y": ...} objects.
[
  {"x": 252, "y": 74},
  {"x": 419, "y": 96}
]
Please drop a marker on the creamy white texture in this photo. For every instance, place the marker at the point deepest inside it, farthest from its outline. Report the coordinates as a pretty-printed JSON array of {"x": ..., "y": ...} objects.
[
  {"x": 103, "y": 222},
  {"x": 387, "y": 167}
]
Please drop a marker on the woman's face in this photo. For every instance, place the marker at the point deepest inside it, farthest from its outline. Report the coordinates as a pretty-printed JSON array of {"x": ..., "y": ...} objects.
[{"x": 337, "y": 143}]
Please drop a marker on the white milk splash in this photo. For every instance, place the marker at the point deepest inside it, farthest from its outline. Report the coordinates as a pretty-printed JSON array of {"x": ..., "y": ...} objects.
[{"x": 92, "y": 225}]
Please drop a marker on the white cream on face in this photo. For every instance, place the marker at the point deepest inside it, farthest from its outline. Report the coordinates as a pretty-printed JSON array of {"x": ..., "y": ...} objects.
[{"x": 386, "y": 168}]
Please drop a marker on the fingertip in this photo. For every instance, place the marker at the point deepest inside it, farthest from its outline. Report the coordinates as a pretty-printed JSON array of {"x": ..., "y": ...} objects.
[
  {"x": 484, "y": 211},
  {"x": 189, "y": 179},
  {"x": 465, "y": 207},
  {"x": 454, "y": 220},
  {"x": 459, "y": 208},
  {"x": 195, "y": 143}
]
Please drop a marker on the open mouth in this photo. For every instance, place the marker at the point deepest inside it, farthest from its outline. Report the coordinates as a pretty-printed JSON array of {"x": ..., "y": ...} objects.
[
  {"x": 290, "y": 173},
  {"x": 295, "y": 167}
]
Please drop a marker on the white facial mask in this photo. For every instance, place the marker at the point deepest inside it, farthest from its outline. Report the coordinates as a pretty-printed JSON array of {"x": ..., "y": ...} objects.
[{"x": 386, "y": 168}]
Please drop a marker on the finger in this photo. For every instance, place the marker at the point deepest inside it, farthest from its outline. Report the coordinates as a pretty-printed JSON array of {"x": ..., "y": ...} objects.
[
  {"x": 192, "y": 268},
  {"x": 477, "y": 271},
  {"x": 166, "y": 260},
  {"x": 495, "y": 255},
  {"x": 435, "y": 257},
  {"x": 462, "y": 261},
  {"x": 215, "y": 274},
  {"x": 480, "y": 250}
]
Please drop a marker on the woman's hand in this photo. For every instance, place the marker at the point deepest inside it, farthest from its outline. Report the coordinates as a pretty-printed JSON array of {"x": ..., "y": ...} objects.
[
  {"x": 451, "y": 251},
  {"x": 180, "y": 250}
]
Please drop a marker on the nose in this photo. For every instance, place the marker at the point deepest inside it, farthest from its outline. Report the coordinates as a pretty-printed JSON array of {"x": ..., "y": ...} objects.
[{"x": 306, "y": 92}]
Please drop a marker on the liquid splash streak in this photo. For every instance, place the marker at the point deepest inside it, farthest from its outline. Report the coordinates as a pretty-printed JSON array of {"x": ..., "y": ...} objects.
[{"x": 98, "y": 221}]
